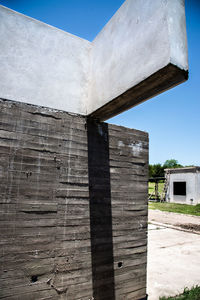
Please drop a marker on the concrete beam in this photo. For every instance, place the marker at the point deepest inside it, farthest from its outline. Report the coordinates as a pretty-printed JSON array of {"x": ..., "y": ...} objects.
[
  {"x": 42, "y": 65},
  {"x": 141, "y": 52}
]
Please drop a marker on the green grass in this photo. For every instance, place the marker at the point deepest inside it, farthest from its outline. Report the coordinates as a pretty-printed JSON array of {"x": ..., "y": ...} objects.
[
  {"x": 188, "y": 294},
  {"x": 152, "y": 188},
  {"x": 177, "y": 208}
]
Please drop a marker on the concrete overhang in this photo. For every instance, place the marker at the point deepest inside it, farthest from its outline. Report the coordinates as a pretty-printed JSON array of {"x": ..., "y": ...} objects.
[
  {"x": 183, "y": 170},
  {"x": 141, "y": 52}
]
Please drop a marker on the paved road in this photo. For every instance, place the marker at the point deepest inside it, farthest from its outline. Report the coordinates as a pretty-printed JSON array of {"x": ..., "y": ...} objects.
[{"x": 173, "y": 261}]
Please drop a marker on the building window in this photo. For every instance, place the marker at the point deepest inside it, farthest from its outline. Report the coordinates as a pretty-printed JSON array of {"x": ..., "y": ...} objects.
[{"x": 180, "y": 188}]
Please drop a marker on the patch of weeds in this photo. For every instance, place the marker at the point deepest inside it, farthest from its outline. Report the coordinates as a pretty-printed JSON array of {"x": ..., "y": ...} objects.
[
  {"x": 195, "y": 227},
  {"x": 188, "y": 294}
]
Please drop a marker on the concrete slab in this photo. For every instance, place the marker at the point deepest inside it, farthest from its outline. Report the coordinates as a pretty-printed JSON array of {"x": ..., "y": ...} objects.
[
  {"x": 155, "y": 227},
  {"x": 141, "y": 52},
  {"x": 42, "y": 65},
  {"x": 173, "y": 261}
]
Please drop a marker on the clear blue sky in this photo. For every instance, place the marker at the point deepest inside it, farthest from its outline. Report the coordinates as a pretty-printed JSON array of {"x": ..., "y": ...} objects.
[{"x": 173, "y": 118}]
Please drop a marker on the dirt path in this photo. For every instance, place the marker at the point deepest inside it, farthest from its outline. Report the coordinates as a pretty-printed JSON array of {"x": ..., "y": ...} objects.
[{"x": 186, "y": 222}]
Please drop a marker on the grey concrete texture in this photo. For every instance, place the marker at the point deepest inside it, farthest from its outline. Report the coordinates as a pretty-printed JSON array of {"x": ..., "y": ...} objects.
[
  {"x": 73, "y": 207},
  {"x": 173, "y": 261},
  {"x": 143, "y": 37},
  {"x": 42, "y": 65}
]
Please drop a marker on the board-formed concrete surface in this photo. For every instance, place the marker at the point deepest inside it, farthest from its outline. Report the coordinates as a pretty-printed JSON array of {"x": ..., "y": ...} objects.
[
  {"x": 141, "y": 52},
  {"x": 73, "y": 203},
  {"x": 173, "y": 261}
]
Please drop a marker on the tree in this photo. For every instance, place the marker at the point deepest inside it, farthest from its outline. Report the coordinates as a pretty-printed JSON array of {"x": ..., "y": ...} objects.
[
  {"x": 156, "y": 170},
  {"x": 171, "y": 163}
]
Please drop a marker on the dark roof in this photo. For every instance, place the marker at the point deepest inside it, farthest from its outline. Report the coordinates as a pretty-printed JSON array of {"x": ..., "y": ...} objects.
[{"x": 183, "y": 170}]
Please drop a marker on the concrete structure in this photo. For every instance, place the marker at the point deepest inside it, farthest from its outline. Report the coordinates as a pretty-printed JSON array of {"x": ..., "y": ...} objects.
[
  {"x": 184, "y": 185},
  {"x": 73, "y": 202},
  {"x": 141, "y": 52},
  {"x": 74, "y": 190}
]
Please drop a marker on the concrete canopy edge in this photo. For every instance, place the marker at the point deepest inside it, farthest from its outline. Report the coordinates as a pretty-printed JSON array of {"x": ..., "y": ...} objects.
[{"x": 142, "y": 51}]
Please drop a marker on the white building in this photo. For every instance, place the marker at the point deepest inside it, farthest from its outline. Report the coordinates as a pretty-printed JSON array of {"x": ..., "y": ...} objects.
[{"x": 183, "y": 185}]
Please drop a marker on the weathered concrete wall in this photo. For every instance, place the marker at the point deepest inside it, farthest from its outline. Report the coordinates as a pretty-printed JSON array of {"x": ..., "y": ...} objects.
[
  {"x": 141, "y": 52},
  {"x": 73, "y": 206},
  {"x": 45, "y": 225}
]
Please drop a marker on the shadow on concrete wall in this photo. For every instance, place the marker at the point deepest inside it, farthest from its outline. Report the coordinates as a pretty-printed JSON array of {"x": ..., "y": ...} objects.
[{"x": 100, "y": 211}]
